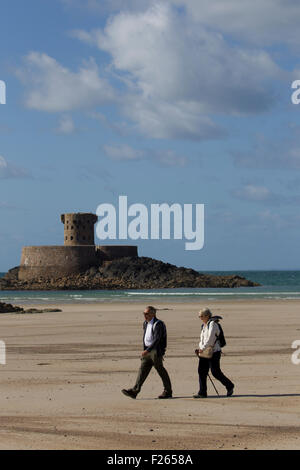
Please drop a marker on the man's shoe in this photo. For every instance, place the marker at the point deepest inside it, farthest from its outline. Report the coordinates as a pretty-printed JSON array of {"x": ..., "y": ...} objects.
[
  {"x": 165, "y": 395},
  {"x": 230, "y": 391},
  {"x": 200, "y": 395},
  {"x": 129, "y": 393}
]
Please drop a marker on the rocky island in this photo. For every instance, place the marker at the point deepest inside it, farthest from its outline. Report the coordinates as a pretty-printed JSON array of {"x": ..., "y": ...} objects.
[{"x": 81, "y": 265}]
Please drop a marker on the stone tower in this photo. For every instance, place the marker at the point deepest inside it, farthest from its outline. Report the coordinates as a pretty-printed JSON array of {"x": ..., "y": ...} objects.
[
  {"x": 78, "y": 254},
  {"x": 79, "y": 228}
]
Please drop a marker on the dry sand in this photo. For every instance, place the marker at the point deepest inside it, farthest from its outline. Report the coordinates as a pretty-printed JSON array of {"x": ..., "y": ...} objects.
[{"x": 61, "y": 386}]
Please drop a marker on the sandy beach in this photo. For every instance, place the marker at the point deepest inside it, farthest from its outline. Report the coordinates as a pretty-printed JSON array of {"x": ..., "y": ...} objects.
[{"x": 61, "y": 386}]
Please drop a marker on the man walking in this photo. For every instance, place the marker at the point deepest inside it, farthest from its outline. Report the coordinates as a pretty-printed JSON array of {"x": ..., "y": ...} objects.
[{"x": 155, "y": 343}]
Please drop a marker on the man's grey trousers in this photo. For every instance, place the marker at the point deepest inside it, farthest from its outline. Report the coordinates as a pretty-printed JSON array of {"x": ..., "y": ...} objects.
[{"x": 147, "y": 362}]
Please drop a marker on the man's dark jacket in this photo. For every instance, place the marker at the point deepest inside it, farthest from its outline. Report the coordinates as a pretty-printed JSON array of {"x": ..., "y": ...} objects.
[{"x": 159, "y": 337}]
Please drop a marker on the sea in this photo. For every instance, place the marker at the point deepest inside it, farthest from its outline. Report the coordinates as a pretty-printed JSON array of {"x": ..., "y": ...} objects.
[{"x": 274, "y": 285}]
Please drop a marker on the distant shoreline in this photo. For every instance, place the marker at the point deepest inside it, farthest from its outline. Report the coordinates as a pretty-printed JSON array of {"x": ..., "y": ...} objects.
[{"x": 276, "y": 285}]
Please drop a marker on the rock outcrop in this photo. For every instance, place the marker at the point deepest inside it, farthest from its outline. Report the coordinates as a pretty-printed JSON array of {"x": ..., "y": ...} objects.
[
  {"x": 127, "y": 273},
  {"x": 8, "y": 308}
]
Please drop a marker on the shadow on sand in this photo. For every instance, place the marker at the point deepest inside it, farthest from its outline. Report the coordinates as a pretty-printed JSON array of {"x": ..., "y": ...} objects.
[{"x": 233, "y": 396}]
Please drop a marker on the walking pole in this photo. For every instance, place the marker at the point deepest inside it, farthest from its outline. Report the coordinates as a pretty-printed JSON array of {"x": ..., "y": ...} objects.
[{"x": 213, "y": 385}]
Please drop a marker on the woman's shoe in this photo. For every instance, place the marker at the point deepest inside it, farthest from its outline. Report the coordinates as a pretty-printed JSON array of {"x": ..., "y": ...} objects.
[{"x": 165, "y": 395}]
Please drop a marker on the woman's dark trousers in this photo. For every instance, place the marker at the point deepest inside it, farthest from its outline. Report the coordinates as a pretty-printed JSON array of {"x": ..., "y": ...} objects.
[{"x": 214, "y": 365}]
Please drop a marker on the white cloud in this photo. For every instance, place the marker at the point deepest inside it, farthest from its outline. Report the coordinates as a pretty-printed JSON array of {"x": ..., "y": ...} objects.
[
  {"x": 276, "y": 221},
  {"x": 8, "y": 206},
  {"x": 277, "y": 153},
  {"x": 8, "y": 170},
  {"x": 168, "y": 158},
  {"x": 253, "y": 193},
  {"x": 54, "y": 88},
  {"x": 261, "y": 22},
  {"x": 66, "y": 125},
  {"x": 177, "y": 72},
  {"x": 169, "y": 58},
  {"x": 122, "y": 152},
  {"x": 105, "y": 6},
  {"x": 165, "y": 120},
  {"x": 262, "y": 194}
]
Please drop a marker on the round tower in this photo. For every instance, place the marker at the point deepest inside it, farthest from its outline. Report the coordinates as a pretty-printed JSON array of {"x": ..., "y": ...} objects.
[{"x": 79, "y": 228}]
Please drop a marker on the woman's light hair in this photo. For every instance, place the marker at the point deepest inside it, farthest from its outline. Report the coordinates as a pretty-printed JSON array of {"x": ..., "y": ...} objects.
[{"x": 206, "y": 312}]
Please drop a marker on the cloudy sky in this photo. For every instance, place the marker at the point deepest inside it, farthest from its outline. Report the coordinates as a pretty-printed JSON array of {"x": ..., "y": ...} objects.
[{"x": 185, "y": 101}]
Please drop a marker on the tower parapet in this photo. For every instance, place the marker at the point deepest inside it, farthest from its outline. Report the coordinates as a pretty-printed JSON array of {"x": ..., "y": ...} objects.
[{"x": 79, "y": 228}]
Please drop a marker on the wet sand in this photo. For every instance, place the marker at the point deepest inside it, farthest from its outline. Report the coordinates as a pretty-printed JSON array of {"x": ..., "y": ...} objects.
[{"x": 61, "y": 386}]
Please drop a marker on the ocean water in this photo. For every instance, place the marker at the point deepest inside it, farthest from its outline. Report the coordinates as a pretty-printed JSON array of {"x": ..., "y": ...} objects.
[{"x": 274, "y": 285}]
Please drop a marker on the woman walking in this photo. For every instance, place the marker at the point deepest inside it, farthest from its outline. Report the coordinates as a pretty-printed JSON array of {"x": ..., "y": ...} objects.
[{"x": 210, "y": 332}]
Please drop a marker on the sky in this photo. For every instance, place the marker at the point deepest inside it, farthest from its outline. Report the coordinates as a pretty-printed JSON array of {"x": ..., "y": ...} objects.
[{"x": 173, "y": 101}]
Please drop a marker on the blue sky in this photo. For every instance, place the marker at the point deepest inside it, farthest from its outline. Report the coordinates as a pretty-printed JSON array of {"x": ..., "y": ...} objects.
[{"x": 162, "y": 101}]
